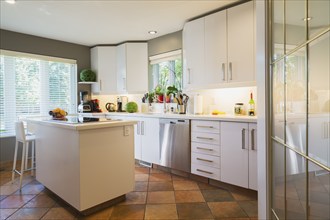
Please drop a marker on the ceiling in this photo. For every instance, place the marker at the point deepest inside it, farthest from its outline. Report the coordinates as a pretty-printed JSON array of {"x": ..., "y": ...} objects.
[{"x": 94, "y": 22}]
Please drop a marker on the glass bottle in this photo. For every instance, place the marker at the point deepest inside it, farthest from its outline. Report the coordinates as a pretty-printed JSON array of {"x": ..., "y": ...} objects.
[{"x": 251, "y": 111}]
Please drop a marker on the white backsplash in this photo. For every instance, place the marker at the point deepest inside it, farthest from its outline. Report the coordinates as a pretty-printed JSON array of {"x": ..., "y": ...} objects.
[{"x": 220, "y": 99}]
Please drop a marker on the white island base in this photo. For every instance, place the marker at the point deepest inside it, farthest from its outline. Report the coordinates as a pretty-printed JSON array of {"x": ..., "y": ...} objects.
[{"x": 87, "y": 164}]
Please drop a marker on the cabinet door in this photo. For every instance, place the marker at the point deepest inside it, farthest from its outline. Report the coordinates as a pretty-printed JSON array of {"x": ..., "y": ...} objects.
[
  {"x": 216, "y": 47},
  {"x": 138, "y": 140},
  {"x": 240, "y": 23},
  {"x": 137, "y": 67},
  {"x": 150, "y": 140},
  {"x": 121, "y": 68},
  {"x": 253, "y": 157},
  {"x": 193, "y": 54},
  {"x": 103, "y": 62},
  {"x": 234, "y": 153}
]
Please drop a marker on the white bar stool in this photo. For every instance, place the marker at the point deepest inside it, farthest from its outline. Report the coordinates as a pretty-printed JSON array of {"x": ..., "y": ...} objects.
[{"x": 21, "y": 137}]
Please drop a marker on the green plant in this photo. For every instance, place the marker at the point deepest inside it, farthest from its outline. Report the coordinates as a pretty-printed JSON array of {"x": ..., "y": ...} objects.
[
  {"x": 87, "y": 75},
  {"x": 131, "y": 107},
  {"x": 151, "y": 97},
  {"x": 171, "y": 90},
  {"x": 159, "y": 90}
]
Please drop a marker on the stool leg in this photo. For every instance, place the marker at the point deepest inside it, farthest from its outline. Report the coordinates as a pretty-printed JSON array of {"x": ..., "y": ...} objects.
[
  {"x": 27, "y": 155},
  {"x": 22, "y": 165},
  {"x": 32, "y": 157},
  {"x": 14, "y": 164}
]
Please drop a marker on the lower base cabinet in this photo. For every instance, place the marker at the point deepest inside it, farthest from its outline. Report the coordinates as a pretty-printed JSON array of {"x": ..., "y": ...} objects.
[
  {"x": 205, "y": 148},
  {"x": 146, "y": 138},
  {"x": 239, "y": 154}
]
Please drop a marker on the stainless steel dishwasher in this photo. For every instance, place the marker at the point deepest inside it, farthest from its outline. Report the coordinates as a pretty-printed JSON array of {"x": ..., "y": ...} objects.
[{"x": 174, "y": 140}]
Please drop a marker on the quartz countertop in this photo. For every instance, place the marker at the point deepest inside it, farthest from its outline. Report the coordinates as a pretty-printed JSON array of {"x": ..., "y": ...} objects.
[
  {"x": 73, "y": 123},
  {"x": 222, "y": 117}
]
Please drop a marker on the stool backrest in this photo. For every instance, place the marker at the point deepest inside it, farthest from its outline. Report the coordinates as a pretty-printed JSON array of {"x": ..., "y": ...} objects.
[{"x": 20, "y": 132}]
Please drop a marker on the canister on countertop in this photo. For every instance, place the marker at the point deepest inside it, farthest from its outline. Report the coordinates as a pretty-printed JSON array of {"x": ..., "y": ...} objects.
[{"x": 239, "y": 108}]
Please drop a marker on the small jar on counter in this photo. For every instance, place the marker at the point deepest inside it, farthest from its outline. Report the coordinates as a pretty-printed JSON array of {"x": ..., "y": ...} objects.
[{"x": 239, "y": 109}]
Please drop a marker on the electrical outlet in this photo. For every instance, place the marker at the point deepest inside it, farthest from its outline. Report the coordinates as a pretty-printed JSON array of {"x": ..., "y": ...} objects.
[{"x": 126, "y": 130}]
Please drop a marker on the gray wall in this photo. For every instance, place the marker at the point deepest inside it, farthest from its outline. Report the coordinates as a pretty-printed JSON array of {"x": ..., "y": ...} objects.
[
  {"x": 163, "y": 44},
  {"x": 37, "y": 45}
]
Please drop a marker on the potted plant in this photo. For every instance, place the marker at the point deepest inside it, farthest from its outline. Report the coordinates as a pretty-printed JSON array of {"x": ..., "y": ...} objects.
[
  {"x": 159, "y": 91},
  {"x": 170, "y": 90}
]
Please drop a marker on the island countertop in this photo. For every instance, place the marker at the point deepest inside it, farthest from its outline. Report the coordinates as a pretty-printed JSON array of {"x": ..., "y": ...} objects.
[{"x": 77, "y": 123}]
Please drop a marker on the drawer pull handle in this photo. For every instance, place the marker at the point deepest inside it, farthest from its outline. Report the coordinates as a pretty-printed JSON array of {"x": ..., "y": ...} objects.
[
  {"x": 203, "y": 126},
  {"x": 202, "y": 148},
  {"x": 201, "y": 159},
  {"x": 204, "y": 171},
  {"x": 205, "y": 138}
]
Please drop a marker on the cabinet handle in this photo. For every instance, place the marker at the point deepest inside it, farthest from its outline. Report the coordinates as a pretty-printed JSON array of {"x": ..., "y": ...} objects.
[
  {"x": 124, "y": 83},
  {"x": 188, "y": 75},
  {"x": 326, "y": 126},
  {"x": 100, "y": 85},
  {"x": 138, "y": 128},
  {"x": 203, "y": 148},
  {"x": 231, "y": 70},
  {"x": 223, "y": 72},
  {"x": 201, "y": 159},
  {"x": 204, "y": 138},
  {"x": 142, "y": 127},
  {"x": 204, "y": 171},
  {"x": 243, "y": 138},
  {"x": 202, "y": 126},
  {"x": 252, "y": 139}
]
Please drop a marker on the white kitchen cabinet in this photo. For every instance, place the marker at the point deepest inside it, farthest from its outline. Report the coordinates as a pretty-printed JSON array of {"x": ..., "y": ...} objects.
[
  {"x": 253, "y": 156},
  {"x": 205, "y": 148},
  {"x": 240, "y": 35},
  {"x": 147, "y": 140},
  {"x": 238, "y": 154},
  {"x": 193, "y": 54},
  {"x": 218, "y": 49},
  {"x": 132, "y": 68},
  {"x": 103, "y": 62}
]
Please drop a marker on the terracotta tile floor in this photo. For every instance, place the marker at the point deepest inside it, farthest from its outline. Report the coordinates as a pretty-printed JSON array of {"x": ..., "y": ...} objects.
[{"x": 157, "y": 195}]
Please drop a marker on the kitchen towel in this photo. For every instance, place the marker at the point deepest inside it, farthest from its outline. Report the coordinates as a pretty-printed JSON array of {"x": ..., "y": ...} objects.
[{"x": 198, "y": 104}]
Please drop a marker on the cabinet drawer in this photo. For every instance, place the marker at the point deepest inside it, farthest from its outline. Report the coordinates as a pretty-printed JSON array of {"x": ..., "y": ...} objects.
[
  {"x": 206, "y": 160},
  {"x": 209, "y": 172},
  {"x": 207, "y": 138},
  {"x": 209, "y": 149},
  {"x": 205, "y": 126}
]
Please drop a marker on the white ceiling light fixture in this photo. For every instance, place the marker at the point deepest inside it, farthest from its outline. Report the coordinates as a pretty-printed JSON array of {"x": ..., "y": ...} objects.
[
  {"x": 11, "y": 1},
  {"x": 152, "y": 32}
]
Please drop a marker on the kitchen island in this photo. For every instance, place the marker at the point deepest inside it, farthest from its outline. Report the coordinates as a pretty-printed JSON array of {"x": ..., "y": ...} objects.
[{"x": 88, "y": 165}]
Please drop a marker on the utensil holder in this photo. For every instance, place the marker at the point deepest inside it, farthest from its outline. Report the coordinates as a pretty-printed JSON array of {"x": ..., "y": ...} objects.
[{"x": 182, "y": 109}]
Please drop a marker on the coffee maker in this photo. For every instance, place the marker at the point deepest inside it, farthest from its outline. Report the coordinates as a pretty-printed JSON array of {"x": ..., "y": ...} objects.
[
  {"x": 121, "y": 103},
  {"x": 85, "y": 105}
]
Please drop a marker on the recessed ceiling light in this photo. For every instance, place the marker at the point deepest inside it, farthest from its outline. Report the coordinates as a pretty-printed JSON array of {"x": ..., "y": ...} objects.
[
  {"x": 152, "y": 32},
  {"x": 307, "y": 19},
  {"x": 11, "y": 1}
]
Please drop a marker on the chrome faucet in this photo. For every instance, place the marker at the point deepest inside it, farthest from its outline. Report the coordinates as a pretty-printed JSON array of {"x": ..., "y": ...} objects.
[{"x": 164, "y": 101}]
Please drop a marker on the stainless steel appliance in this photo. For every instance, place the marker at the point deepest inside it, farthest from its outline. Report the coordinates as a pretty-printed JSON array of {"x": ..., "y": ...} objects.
[
  {"x": 121, "y": 103},
  {"x": 175, "y": 144},
  {"x": 85, "y": 105}
]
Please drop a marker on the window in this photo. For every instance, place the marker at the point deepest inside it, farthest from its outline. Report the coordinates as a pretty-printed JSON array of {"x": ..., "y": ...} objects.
[
  {"x": 32, "y": 85},
  {"x": 167, "y": 69}
]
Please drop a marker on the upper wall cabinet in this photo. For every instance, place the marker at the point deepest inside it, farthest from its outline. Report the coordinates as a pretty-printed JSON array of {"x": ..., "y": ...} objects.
[
  {"x": 103, "y": 62},
  {"x": 121, "y": 69},
  {"x": 218, "y": 49},
  {"x": 193, "y": 53},
  {"x": 132, "y": 68},
  {"x": 240, "y": 35}
]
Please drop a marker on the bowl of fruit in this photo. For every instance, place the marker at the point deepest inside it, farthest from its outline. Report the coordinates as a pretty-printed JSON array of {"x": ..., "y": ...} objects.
[{"x": 58, "y": 114}]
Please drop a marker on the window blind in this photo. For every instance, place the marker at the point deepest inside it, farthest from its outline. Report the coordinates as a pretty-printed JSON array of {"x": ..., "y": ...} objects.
[{"x": 34, "y": 85}]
